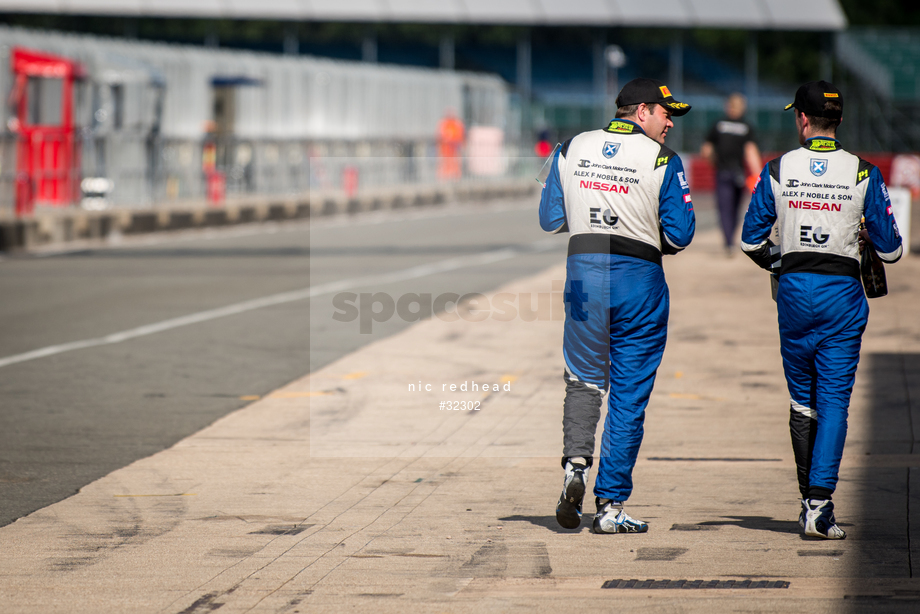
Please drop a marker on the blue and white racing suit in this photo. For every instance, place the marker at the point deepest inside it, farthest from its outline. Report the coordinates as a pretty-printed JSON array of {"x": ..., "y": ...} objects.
[
  {"x": 625, "y": 200},
  {"x": 817, "y": 195}
]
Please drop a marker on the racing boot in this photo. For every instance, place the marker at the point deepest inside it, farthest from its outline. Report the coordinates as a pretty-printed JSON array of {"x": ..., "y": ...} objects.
[
  {"x": 568, "y": 510},
  {"x": 819, "y": 519},
  {"x": 802, "y": 514},
  {"x": 611, "y": 518}
]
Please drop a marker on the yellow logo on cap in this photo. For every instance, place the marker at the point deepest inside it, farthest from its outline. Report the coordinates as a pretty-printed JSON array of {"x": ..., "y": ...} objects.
[
  {"x": 665, "y": 91},
  {"x": 831, "y": 95}
]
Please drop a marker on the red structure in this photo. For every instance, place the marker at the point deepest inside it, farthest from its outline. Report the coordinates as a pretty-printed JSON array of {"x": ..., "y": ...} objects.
[{"x": 47, "y": 156}]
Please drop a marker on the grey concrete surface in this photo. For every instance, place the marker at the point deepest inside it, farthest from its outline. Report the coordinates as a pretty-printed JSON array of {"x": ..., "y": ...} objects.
[
  {"x": 71, "y": 418},
  {"x": 345, "y": 490}
]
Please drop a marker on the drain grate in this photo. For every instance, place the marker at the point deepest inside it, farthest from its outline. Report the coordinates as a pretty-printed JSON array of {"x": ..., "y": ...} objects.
[
  {"x": 899, "y": 595},
  {"x": 284, "y": 529},
  {"x": 834, "y": 553},
  {"x": 687, "y": 584}
]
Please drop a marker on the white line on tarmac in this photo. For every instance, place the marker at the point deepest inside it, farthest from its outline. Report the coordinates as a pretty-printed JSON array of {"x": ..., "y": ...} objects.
[{"x": 415, "y": 272}]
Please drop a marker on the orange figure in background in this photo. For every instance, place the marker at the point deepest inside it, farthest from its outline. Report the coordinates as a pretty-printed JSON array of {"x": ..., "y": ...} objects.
[{"x": 451, "y": 135}]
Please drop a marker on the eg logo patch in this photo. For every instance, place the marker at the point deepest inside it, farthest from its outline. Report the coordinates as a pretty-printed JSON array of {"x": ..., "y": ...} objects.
[
  {"x": 809, "y": 235},
  {"x": 609, "y": 217}
]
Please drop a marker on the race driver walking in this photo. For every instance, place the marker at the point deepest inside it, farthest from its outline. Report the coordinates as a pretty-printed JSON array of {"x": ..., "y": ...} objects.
[
  {"x": 625, "y": 200},
  {"x": 817, "y": 195}
]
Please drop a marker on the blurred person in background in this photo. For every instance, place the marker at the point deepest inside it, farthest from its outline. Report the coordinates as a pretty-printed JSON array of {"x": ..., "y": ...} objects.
[
  {"x": 451, "y": 137},
  {"x": 624, "y": 198},
  {"x": 542, "y": 148},
  {"x": 730, "y": 147},
  {"x": 818, "y": 195}
]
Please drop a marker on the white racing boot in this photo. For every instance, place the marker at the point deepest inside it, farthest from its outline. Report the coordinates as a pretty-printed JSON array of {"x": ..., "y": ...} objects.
[
  {"x": 819, "y": 519},
  {"x": 568, "y": 510},
  {"x": 611, "y": 518}
]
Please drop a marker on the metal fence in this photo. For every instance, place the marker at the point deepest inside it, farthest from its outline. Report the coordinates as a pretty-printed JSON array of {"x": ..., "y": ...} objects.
[
  {"x": 156, "y": 122},
  {"x": 142, "y": 172}
]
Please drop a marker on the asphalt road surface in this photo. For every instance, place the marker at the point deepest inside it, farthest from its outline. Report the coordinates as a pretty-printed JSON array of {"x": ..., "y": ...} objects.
[{"x": 111, "y": 354}]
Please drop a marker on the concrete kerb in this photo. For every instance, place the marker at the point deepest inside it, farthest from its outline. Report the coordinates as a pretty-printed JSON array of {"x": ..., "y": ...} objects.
[{"x": 57, "y": 226}]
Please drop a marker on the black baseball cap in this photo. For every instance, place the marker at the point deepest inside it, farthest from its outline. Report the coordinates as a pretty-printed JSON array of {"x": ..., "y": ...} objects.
[
  {"x": 810, "y": 99},
  {"x": 642, "y": 90}
]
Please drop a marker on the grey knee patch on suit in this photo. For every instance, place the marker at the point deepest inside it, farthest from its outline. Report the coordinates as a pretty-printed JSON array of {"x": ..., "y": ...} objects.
[
  {"x": 803, "y": 429},
  {"x": 581, "y": 411}
]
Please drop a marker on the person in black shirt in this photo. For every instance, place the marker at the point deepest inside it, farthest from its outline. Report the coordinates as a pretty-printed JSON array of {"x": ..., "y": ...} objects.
[{"x": 731, "y": 148}]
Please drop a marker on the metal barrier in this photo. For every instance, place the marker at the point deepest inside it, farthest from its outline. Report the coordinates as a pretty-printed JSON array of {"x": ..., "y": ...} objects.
[
  {"x": 135, "y": 172},
  {"x": 155, "y": 123}
]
